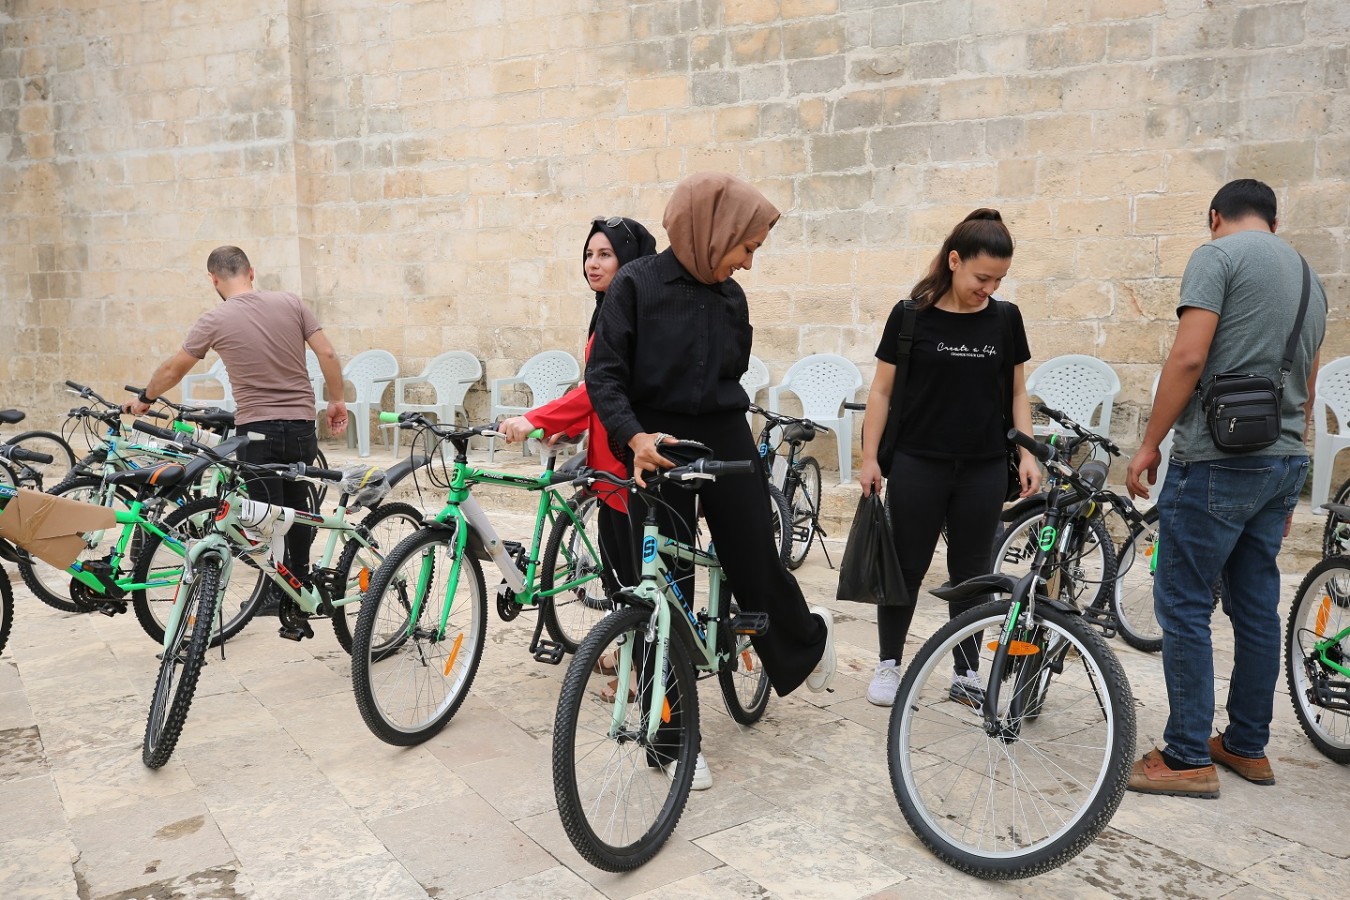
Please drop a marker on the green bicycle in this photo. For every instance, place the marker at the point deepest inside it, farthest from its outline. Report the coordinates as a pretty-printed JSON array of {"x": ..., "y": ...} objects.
[
  {"x": 419, "y": 637},
  {"x": 626, "y": 735}
]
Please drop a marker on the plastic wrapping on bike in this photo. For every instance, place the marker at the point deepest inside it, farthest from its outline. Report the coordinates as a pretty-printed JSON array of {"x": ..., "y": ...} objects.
[{"x": 870, "y": 571}]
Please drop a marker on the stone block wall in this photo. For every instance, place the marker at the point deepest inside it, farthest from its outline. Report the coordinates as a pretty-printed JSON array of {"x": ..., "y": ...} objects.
[{"x": 424, "y": 172}]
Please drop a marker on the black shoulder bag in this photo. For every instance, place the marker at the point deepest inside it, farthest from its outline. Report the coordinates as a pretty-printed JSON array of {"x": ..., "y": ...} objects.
[
  {"x": 1243, "y": 411},
  {"x": 890, "y": 435}
]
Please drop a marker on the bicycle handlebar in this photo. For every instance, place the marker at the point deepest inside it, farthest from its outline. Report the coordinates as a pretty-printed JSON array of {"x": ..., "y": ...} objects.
[
  {"x": 856, "y": 407},
  {"x": 1083, "y": 433},
  {"x": 777, "y": 418},
  {"x": 1043, "y": 452},
  {"x": 20, "y": 454}
]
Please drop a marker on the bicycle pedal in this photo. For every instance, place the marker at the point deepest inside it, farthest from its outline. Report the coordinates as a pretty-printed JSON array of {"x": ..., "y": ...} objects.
[
  {"x": 298, "y": 632},
  {"x": 550, "y": 652},
  {"x": 112, "y": 608},
  {"x": 750, "y": 623}
]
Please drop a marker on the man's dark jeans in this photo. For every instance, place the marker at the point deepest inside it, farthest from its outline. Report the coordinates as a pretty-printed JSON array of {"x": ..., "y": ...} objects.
[{"x": 284, "y": 441}]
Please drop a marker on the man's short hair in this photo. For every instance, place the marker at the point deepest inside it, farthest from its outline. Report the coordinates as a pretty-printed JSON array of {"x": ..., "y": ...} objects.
[
  {"x": 227, "y": 262},
  {"x": 1244, "y": 197}
]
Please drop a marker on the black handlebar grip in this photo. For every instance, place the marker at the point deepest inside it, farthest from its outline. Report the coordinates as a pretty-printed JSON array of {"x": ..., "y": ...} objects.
[
  {"x": 156, "y": 415},
  {"x": 325, "y": 474},
  {"x": 131, "y": 388},
  {"x": 1052, "y": 413},
  {"x": 729, "y": 467},
  {"x": 147, "y": 428},
  {"x": 75, "y": 387},
  {"x": 22, "y": 455},
  {"x": 855, "y": 406},
  {"x": 1043, "y": 452}
]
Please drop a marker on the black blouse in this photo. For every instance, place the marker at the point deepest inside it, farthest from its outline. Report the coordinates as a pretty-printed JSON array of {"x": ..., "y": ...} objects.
[{"x": 667, "y": 342}]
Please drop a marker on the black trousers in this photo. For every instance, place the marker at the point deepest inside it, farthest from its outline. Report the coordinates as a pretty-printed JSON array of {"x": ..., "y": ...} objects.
[
  {"x": 737, "y": 512},
  {"x": 922, "y": 494},
  {"x": 284, "y": 441}
]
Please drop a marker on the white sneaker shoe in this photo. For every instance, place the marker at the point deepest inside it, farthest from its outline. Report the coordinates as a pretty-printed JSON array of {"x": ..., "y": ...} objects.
[
  {"x": 702, "y": 774},
  {"x": 885, "y": 684},
  {"x": 823, "y": 673}
]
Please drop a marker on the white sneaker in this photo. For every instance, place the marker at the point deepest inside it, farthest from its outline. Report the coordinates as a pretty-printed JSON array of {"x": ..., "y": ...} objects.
[
  {"x": 702, "y": 774},
  {"x": 885, "y": 684},
  {"x": 823, "y": 673}
]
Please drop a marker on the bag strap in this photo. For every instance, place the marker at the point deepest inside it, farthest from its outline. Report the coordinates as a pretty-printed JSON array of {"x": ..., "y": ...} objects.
[
  {"x": 904, "y": 346},
  {"x": 1006, "y": 369},
  {"x": 1291, "y": 346}
]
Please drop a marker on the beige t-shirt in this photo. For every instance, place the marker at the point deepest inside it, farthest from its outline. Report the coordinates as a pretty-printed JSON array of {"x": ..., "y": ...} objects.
[{"x": 261, "y": 337}]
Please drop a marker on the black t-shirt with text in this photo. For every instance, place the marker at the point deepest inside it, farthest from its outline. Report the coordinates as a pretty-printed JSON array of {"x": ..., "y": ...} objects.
[{"x": 952, "y": 406}]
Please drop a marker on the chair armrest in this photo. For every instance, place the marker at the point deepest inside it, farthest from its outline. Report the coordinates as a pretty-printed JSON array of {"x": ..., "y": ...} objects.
[{"x": 495, "y": 386}]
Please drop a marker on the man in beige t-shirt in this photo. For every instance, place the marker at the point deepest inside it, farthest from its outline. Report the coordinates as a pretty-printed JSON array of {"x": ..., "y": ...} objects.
[{"x": 261, "y": 337}]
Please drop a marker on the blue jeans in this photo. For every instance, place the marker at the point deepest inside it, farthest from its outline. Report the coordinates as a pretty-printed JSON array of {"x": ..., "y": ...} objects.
[{"x": 1222, "y": 517}]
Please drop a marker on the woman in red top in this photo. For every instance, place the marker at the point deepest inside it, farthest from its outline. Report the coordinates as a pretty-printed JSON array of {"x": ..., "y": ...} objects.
[{"x": 611, "y": 243}]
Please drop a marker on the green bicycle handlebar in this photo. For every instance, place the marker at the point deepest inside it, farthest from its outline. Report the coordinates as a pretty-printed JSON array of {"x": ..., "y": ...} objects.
[{"x": 394, "y": 418}]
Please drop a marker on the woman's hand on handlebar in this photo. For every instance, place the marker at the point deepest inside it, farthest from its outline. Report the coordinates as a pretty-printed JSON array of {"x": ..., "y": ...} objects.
[
  {"x": 516, "y": 428},
  {"x": 1030, "y": 473},
  {"x": 870, "y": 478},
  {"x": 645, "y": 456}
]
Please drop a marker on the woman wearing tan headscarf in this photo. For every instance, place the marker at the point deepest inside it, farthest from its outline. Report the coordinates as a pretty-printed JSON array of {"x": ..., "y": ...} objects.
[{"x": 673, "y": 341}]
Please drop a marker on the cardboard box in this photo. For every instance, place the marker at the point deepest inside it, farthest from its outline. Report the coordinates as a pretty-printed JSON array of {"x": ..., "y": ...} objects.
[{"x": 52, "y": 528}]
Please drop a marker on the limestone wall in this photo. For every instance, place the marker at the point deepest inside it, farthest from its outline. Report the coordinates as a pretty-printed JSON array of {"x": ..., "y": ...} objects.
[{"x": 424, "y": 172}]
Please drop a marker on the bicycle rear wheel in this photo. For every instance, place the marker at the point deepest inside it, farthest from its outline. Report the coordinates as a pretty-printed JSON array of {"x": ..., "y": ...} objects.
[
  {"x": 55, "y": 446},
  {"x": 52, "y": 585},
  {"x": 1086, "y": 569},
  {"x": 1031, "y": 796},
  {"x": 1320, "y": 693},
  {"x": 181, "y": 665},
  {"x": 410, "y": 677},
  {"x": 1336, "y": 533},
  {"x": 745, "y": 685},
  {"x": 386, "y": 526},
  {"x": 6, "y": 608},
  {"x": 617, "y": 802},
  {"x": 1133, "y": 598},
  {"x": 803, "y": 500},
  {"x": 571, "y": 553},
  {"x": 781, "y": 520}
]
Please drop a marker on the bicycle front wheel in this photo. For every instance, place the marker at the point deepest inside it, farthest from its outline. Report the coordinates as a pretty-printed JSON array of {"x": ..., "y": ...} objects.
[
  {"x": 1033, "y": 794},
  {"x": 1133, "y": 598},
  {"x": 1317, "y": 638},
  {"x": 803, "y": 500},
  {"x": 384, "y": 528},
  {"x": 610, "y": 777},
  {"x": 160, "y": 565},
  {"x": 572, "y": 553},
  {"x": 410, "y": 675},
  {"x": 182, "y": 665}
]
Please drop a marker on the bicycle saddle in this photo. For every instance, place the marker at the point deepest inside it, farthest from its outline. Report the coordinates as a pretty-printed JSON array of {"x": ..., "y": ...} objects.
[
  {"x": 162, "y": 475},
  {"x": 1340, "y": 509},
  {"x": 799, "y": 432},
  {"x": 973, "y": 588},
  {"x": 11, "y": 416}
]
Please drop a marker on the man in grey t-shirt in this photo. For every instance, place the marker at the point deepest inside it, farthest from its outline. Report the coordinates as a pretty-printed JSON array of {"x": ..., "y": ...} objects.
[{"x": 1223, "y": 516}]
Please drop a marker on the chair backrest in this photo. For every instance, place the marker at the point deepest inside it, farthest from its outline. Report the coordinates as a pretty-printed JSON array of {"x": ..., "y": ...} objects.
[
  {"x": 451, "y": 375},
  {"x": 823, "y": 381},
  {"x": 1333, "y": 393},
  {"x": 1077, "y": 385},
  {"x": 756, "y": 377},
  {"x": 218, "y": 372},
  {"x": 367, "y": 367},
  {"x": 548, "y": 374}
]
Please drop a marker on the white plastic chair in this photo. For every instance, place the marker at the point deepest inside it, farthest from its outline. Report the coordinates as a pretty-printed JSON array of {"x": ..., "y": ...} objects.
[
  {"x": 315, "y": 379},
  {"x": 1333, "y": 395},
  {"x": 216, "y": 374},
  {"x": 548, "y": 375},
  {"x": 450, "y": 375},
  {"x": 368, "y": 371},
  {"x": 755, "y": 379},
  {"x": 1078, "y": 386},
  {"x": 1165, "y": 448},
  {"x": 824, "y": 382}
]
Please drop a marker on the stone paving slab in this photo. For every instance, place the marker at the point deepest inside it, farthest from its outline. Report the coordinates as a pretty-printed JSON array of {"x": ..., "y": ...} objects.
[{"x": 277, "y": 790}]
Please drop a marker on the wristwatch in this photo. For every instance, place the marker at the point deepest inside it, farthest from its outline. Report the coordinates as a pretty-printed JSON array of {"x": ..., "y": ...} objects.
[{"x": 144, "y": 399}]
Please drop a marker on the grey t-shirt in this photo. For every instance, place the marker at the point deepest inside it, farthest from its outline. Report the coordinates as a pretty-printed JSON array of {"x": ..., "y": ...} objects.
[{"x": 1252, "y": 279}]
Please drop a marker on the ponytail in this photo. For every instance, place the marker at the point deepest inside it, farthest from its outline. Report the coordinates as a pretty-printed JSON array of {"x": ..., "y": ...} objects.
[{"x": 982, "y": 231}]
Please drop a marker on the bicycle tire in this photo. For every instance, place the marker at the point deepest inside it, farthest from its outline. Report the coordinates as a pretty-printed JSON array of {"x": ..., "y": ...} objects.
[
  {"x": 617, "y": 804},
  {"x": 63, "y": 458},
  {"x": 169, "y": 704},
  {"x": 394, "y": 659},
  {"x": 6, "y": 608},
  {"x": 1132, "y": 599},
  {"x": 52, "y": 585},
  {"x": 1071, "y": 801},
  {"x": 382, "y": 542},
  {"x": 89, "y": 465},
  {"x": 1090, "y": 570},
  {"x": 1321, "y": 607},
  {"x": 744, "y": 683},
  {"x": 570, "y": 616},
  {"x": 1336, "y": 531},
  {"x": 192, "y": 521},
  {"x": 803, "y": 501},
  {"x": 780, "y": 520}
]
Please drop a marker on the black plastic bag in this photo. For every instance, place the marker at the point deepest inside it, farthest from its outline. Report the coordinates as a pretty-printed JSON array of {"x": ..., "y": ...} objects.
[{"x": 870, "y": 572}]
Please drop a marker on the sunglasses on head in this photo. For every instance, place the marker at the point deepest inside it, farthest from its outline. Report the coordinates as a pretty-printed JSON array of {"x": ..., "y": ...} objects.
[{"x": 615, "y": 222}]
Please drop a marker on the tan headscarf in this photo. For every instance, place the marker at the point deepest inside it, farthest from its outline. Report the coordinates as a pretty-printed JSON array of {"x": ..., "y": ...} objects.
[{"x": 708, "y": 214}]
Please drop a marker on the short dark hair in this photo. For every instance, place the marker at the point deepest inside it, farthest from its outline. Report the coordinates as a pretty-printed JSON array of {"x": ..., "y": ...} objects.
[
  {"x": 227, "y": 262},
  {"x": 1245, "y": 197}
]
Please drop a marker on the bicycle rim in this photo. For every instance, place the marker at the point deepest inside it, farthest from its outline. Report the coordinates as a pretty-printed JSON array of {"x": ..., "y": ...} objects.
[
  {"x": 744, "y": 683},
  {"x": 617, "y": 802},
  {"x": 1133, "y": 600},
  {"x": 408, "y": 676},
  {"x": 1026, "y": 802},
  {"x": 1320, "y": 694}
]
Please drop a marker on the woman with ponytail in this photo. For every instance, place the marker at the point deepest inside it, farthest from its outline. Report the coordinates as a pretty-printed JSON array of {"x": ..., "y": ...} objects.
[{"x": 949, "y": 467}]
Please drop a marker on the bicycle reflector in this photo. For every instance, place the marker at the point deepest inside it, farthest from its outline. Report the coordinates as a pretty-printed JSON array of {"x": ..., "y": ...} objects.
[{"x": 1018, "y": 648}]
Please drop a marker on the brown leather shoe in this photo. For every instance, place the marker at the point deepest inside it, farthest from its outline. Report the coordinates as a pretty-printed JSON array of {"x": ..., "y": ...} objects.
[
  {"x": 1152, "y": 776},
  {"x": 1257, "y": 771}
]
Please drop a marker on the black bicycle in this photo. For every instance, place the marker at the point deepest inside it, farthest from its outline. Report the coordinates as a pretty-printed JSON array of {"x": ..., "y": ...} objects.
[{"x": 796, "y": 477}]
